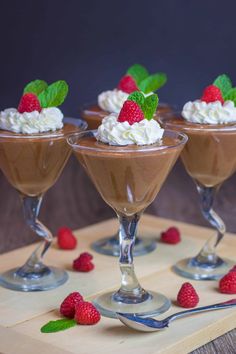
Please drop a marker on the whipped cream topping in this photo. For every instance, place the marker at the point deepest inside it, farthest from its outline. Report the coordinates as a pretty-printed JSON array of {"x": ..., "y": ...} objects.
[
  {"x": 209, "y": 113},
  {"x": 145, "y": 132},
  {"x": 112, "y": 100},
  {"x": 31, "y": 122}
]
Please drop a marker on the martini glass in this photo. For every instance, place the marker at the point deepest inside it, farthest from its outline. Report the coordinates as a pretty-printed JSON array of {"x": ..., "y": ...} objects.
[
  {"x": 209, "y": 159},
  {"x": 32, "y": 164},
  {"x": 128, "y": 179},
  {"x": 110, "y": 245}
]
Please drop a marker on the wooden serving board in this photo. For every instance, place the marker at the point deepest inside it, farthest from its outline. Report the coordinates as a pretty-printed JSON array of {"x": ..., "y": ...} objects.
[{"x": 23, "y": 314}]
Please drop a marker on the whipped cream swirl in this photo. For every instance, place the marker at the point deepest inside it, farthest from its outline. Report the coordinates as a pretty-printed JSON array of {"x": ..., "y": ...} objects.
[
  {"x": 49, "y": 119},
  {"x": 112, "y": 100},
  {"x": 145, "y": 132},
  {"x": 209, "y": 113}
]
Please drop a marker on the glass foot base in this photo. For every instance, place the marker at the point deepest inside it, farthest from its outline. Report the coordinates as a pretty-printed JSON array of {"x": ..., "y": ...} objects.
[
  {"x": 50, "y": 280},
  {"x": 190, "y": 269},
  {"x": 110, "y": 246},
  {"x": 154, "y": 306}
]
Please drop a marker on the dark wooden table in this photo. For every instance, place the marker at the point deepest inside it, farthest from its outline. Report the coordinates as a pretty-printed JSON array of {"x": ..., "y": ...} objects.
[{"x": 74, "y": 202}]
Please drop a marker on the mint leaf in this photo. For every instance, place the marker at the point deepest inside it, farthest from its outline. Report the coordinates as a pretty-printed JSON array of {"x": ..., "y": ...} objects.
[
  {"x": 36, "y": 87},
  {"x": 138, "y": 72},
  {"x": 58, "y": 325},
  {"x": 137, "y": 97},
  {"x": 231, "y": 95},
  {"x": 224, "y": 83},
  {"x": 54, "y": 95},
  {"x": 150, "y": 106},
  {"x": 153, "y": 82}
]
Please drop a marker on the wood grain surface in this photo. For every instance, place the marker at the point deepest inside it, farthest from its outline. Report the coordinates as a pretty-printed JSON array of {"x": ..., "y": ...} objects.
[{"x": 74, "y": 202}]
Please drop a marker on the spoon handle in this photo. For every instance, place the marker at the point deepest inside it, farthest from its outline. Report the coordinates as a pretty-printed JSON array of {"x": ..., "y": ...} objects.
[{"x": 222, "y": 305}]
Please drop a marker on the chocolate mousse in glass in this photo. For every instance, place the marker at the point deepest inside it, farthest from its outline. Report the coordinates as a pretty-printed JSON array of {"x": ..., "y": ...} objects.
[
  {"x": 111, "y": 101},
  {"x": 33, "y": 152},
  {"x": 210, "y": 124},
  {"x": 128, "y": 163}
]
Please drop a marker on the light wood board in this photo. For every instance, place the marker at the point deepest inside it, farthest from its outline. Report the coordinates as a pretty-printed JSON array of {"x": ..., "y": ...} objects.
[{"x": 22, "y": 314}]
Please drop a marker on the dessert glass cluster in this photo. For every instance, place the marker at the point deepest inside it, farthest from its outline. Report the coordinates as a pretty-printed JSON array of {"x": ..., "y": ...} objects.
[
  {"x": 208, "y": 157},
  {"x": 33, "y": 152},
  {"x": 128, "y": 159}
]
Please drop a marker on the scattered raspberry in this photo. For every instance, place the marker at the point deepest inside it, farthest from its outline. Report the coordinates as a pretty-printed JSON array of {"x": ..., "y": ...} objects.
[
  {"x": 65, "y": 239},
  {"x": 171, "y": 236},
  {"x": 233, "y": 269},
  {"x": 127, "y": 84},
  {"x": 86, "y": 313},
  {"x": 130, "y": 112},
  {"x": 68, "y": 305},
  {"x": 211, "y": 94},
  {"x": 187, "y": 296},
  {"x": 83, "y": 263},
  {"x": 28, "y": 103},
  {"x": 227, "y": 284}
]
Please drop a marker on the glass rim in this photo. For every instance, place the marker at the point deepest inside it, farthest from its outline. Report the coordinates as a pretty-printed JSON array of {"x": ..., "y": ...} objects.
[
  {"x": 228, "y": 127},
  {"x": 120, "y": 148},
  {"x": 80, "y": 123}
]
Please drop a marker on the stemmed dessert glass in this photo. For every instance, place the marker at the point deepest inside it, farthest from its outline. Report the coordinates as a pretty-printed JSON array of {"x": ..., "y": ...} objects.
[
  {"x": 208, "y": 160},
  {"x": 32, "y": 163},
  {"x": 128, "y": 179},
  {"x": 109, "y": 245}
]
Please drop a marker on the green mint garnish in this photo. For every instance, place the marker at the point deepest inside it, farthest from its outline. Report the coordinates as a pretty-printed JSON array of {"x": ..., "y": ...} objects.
[
  {"x": 36, "y": 87},
  {"x": 138, "y": 72},
  {"x": 147, "y": 104},
  {"x": 231, "y": 95},
  {"x": 224, "y": 83},
  {"x": 58, "y": 325},
  {"x": 54, "y": 95},
  {"x": 137, "y": 97},
  {"x": 150, "y": 106},
  {"x": 153, "y": 82}
]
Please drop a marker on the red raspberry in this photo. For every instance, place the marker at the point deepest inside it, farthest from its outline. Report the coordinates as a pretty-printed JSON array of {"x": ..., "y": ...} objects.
[
  {"x": 83, "y": 263},
  {"x": 131, "y": 113},
  {"x": 65, "y": 239},
  {"x": 171, "y": 236},
  {"x": 68, "y": 305},
  {"x": 187, "y": 296},
  {"x": 211, "y": 94},
  {"x": 28, "y": 103},
  {"x": 86, "y": 313},
  {"x": 127, "y": 84},
  {"x": 227, "y": 284}
]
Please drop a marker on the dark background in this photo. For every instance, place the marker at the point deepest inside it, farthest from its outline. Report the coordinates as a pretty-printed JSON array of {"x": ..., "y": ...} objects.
[{"x": 90, "y": 44}]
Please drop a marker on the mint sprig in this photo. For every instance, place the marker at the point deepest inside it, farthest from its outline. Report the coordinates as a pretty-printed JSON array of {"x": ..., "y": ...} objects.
[
  {"x": 152, "y": 82},
  {"x": 231, "y": 95},
  {"x": 138, "y": 72},
  {"x": 224, "y": 83},
  {"x": 36, "y": 87},
  {"x": 58, "y": 325},
  {"x": 54, "y": 95},
  {"x": 147, "y": 104}
]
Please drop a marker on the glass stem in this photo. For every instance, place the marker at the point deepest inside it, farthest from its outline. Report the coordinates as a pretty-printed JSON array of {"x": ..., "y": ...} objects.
[
  {"x": 208, "y": 254},
  {"x": 34, "y": 265},
  {"x": 130, "y": 291}
]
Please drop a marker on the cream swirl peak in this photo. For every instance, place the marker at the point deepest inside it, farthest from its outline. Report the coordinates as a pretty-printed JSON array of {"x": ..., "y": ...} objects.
[
  {"x": 216, "y": 106},
  {"x": 36, "y": 112}
]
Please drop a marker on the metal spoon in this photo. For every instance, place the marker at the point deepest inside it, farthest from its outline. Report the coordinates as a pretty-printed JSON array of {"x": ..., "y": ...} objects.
[{"x": 151, "y": 325}]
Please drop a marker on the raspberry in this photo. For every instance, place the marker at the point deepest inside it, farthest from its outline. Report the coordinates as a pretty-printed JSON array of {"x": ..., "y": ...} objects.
[
  {"x": 65, "y": 239},
  {"x": 227, "y": 284},
  {"x": 211, "y": 94},
  {"x": 68, "y": 305},
  {"x": 86, "y": 314},
  {"x": 171, "y": 236},
  {"x": 83, "y": 263},
  {"x": 131, "y": 113},
  {"x": 187, "y": 296},
  {"x": 28, "y": 103},
  {"x": 127, "y": 84}
]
